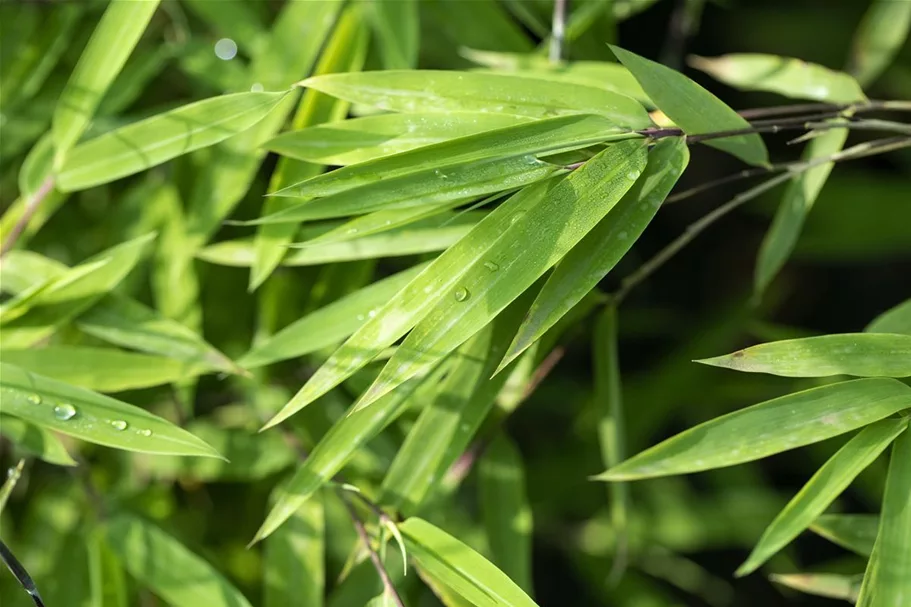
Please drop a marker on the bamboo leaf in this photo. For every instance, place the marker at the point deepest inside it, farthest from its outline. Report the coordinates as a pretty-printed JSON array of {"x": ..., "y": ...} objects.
[
  {"x": 878, "y": 39},
  {"x": 693, "y": 108},
  {"x": 777, "y": 425},
  {"x": 397, "y": 26},
  {"x": 371, "y": 137},
  {"x": 892, "y": 584},
  {"x": 830, "y": 585},
  {"x": 858, "y": 354},
  {"x": 505, "y": 510},
  {"x": 293, "y": 566},
  {"x": 150, "y": 142},
  {"x": 111, "y": 43},
  {"x": 35, "y": 440},
  {"x": 92, "y": 417},
  {"x": 106, "y": 575},
  {"x": 783, "y": 75},
  {"x": 893, "y": 320},
  {"x": 160, "y": 562},
  {"x": 822, "y": 489},
  {"x": 602, "y": 248},
  {"x": 457, "y": 566},
  {"x": 856, "y": 532},
  {"x": 450, "y": 91}
]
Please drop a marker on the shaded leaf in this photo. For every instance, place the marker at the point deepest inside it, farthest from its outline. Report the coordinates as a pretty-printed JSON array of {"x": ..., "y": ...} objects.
[
  {"x": 893, "y": 320},
  {"x": 92, "y": 417},
  {"x": 879, "y": 37},
  {"x": 859, "y": 354},
  {"x": 106, "y": 575},
  {"x": 397, "y": 26},
  {"x": 293, "y": 567},
  {"x": 35, "y": 440},
  {"x": 693, "y": 108},
  {"x": 777, "y": 425},
  {"x": 892, "y": 584},
  {"x": 830, "y": 585},
  {"x": 856, "y": 532}
]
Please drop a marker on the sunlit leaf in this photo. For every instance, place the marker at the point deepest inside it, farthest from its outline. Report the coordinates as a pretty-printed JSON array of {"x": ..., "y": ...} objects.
[
  {"x": 35, "y": 440},
  {"x": 858, "y": 354},
  {"x": 777, "y": 425},
  {"x": 892, "y": 584},
  {"x": 454, "y": 564},
  {"x": 856, "y": 532},
  {"x": 693, "y": 108},
  {"x": 831, "y": 585},
  {"x": 293, "y": 568},
  {"x": 789, "y": 77},
  {"x": 822, "y": 489},
  {"x": 882, "y": 32},
  {"x": 160, "y": 562},
  {"x": 450, "y": 91},
  {"x": 111, "y": 43},
  {"x": 893, "y": 320},
  {"x": 150, "y": 142},
  {"x": 92, "y": 417}
]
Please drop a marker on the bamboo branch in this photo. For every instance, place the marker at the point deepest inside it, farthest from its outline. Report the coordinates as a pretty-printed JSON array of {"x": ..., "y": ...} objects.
[{"x": 388, "y": 586}]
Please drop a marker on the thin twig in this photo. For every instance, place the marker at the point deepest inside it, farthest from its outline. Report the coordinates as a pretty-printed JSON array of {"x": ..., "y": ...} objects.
[
  {"x": 30, "y": 208},
  {"x": 374, "y": 557},
  {"x": 800, "y": 108},
  {"x": 558, "y": 30}
]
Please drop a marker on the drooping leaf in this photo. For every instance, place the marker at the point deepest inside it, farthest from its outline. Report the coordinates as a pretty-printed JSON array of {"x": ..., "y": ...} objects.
[
  {"x": 535, "y": 239},
  {"x": 831, "y": 585},
  {"x": 106, "y": 575},
  {"x": 858, "y": 354},
  {"x": 783, "y": 75},
  {"x": 35, "y": 440},
  {"x": 397, "y": 25},
  {"x": 777, "y": 425},
  {"x": 693, "y": 108},
  {"x": 856, "y": 532},
  {"x": 798, "y": 199},
  {"x": 879, "y": 37},
  {"x": 505, "y": 510},
  {"x": 600, "y": 250},
  {"x": 451, "y": 91},
  {"x": 160, "y": 562},
  {"x": 371, "y": 137},
  {"x": 891, "y": 582},
  {"x": 893, "y": 320},
  {"x": 142, "y": 145},
  {"x": 293, "y": 569},
  {"x": 111, "y": 43},
  {"x": 92, "y": 417},
  {"x": 822, "y": 489},
  {"x": 457, "y": 566}
]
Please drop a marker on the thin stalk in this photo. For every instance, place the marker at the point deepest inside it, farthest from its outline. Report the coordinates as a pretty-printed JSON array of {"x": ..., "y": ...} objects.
[
  {"x": 19, "y": 572},
  {"x": 866, "y": 106},
  {"x": 558, "y": 30},
  {"x": 30, "y": 209},
  {"x": 388, "y": 586}
]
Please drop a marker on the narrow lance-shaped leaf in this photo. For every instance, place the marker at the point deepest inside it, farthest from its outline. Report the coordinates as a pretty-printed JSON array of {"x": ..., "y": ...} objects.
[
  {"x": 602, "y": 248},
  {"x": 160, "y": 562},
  {"x": 770, "y": 427},
  {"x": 92, "y": 417},
  {"x": 693, "y": 108},
  {"x": 293, "y": 568},
  {"x": 892, "y": 584},
  {"x": 35, "y": 440},
  {"x": 505, "y": 510},
  {"x": 371, "y": 137},
  {"x": 457, "y": 566},
  {"x": 111, "y": 43},
  {"x": 882, "y": 32},
  {"x": 397, "y": 24},
  {"x": 856, "y": 532},
  {"x": 451, "y": 91},
  {"x": 822, "y": 489},
  {"x": 794, "y": 207},
  {"x": 858, "y": 354},
  {"x": 536, "y": 238},
  {"x": 106, "y": 575},
  {"x": 831, "y": 585},
  {"x": 144, "y": 144},
  {"x": 893, "y": 320},
  {"x": 789, "y": 77}
]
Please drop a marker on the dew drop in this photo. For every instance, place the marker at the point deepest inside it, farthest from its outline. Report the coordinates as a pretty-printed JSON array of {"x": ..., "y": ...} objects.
[
  {"x": 64, "y": 412},
  {"x": 633, "y": 175},
  {"x": 360, "y": 317},
  {"x": 34, "y": 399},
  {"x": 462, "y": 294},
  {"x": 119, "y": 424},
  {"x": 516, "y": 216},
  {"x": 491, "y": 266},
  {"x": 371, "y": 313},
  {"x": 351, "y": 231},
  {"x": 226, "y": 49},
  {"x": 257, "y": 88},
  {"x": 144, "y": 432},
  {"x": 622, "y": 235}
]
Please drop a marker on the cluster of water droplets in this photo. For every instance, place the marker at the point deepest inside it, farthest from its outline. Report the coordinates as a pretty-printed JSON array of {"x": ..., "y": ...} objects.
[{"x": 64, "y": 412}]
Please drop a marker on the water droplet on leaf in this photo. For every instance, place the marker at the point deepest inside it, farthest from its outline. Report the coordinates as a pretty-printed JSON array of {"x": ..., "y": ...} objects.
[
  {"x": 34, "y": 399},
  {"x": 633, "y": 175},
  {"x": 64, "y": 412},
  {"x": 491, "y": 266},
  {"x": 144, "y": 432},
  {"x": 119, "y": 424},
  {"x": 462, "y": 294}
]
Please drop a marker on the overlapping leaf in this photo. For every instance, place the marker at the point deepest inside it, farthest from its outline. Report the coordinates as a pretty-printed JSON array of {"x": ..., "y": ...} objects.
[
  {"x": 293, "y": 568},
  {"x": 856, "y": 532},
  {"x": 891, "y": 582},
  {"x": 35, "y": 440},
  {"x": 882, "y": 32},
  {"x": 893, "y": 320}
]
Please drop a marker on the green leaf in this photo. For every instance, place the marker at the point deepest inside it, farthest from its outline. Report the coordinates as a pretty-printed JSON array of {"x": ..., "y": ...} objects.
[
  {"x": 534, "y": 239},
  {"x": 822, "y": 489},
  {"x": 893, "y": 320},
  {"x": 603, "y": 247},
  {"x": 37, "y": 167},
  {"x": 329, "y": 325},
  {"x": 534, "y": 138},
  {"x": 783, "y": 75},
  {"x": 160, "y": 562},
  {"x": 505, "y": 510},
  {"x": 111, "y": 43},
  {"x": 444, "y": 186},
  {"x": 397, "y": 26},
  {"x": 107, "y": 578},
  {"x": 457, "y": 566},
  {"x": 371, "y": 137},
  {"x": 293, "y": 568},
  {"x": 858, "y": 354},
  {"x": 693, "y": 108},
  {"x": 830, "y": 585},
  {"x": 856, "y": 532},
  {"x": 892, "y": 584},
  {"x": 451, "y": 91},
  {"x": 102, "y": 369},
  {"x": 777, "y": 425},
  {"x": 878, "y": 39},
  {"x": 92, "y": 417},
  {"x": 798, "y": 199},
  {"x": 35, "y": 440},
  {"x": 150, "y": 142},
  {"x": 383, "y": 600}
]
